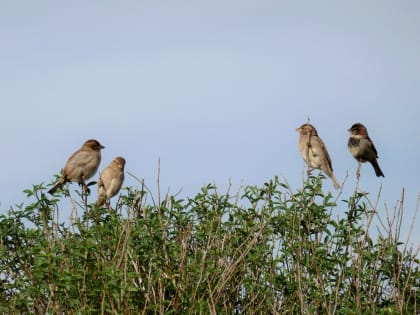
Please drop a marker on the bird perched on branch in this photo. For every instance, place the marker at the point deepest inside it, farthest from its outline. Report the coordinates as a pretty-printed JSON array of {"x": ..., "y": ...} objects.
[
  {"x": 363, "y": 149},
  {"x": 314, "y": 152},
  {"x": 81, "y": 165},
  {"x": 111, "y": 180}
]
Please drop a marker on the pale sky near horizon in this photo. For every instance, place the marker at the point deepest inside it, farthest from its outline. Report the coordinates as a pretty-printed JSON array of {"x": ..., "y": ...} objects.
[{"x": 215, "y": 89}]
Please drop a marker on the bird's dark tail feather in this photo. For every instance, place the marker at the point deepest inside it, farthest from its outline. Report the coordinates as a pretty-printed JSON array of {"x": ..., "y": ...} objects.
[
  {"x": 56, "y": 186},
  {"x": 377, "y": 169}
]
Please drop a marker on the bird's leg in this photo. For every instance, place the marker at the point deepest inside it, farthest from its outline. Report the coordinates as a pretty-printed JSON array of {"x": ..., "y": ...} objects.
[
  {"x": 358, "y": 170},
  {"x": 84, "y": 191},
  {"x": 84, "y": 196}
]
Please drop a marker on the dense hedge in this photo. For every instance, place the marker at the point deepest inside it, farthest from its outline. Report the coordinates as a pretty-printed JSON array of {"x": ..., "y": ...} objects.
[{"x": 263, "y": 250}]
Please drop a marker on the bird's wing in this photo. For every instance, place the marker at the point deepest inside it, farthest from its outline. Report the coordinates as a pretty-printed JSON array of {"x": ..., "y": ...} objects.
[
  {"x": 80, "y": 158},
  {"x": 372, "y": 146},
  {"x": 321, "y": 150}
]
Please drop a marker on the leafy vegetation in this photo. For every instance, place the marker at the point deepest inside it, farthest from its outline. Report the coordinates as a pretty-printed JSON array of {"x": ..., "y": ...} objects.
[{"x": 263, "y": 250}]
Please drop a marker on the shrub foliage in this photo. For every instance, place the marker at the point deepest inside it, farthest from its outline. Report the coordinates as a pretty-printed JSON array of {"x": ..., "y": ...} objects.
[{"x": 262, "y": 250}]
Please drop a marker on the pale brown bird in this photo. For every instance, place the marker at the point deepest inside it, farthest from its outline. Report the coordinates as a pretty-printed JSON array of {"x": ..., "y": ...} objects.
[
  {"x": 363, "y": 149},
  {"x": 111, "y": 180},
  {"x": 314, "y": 152},
  {"x": 81, "y": 165}
]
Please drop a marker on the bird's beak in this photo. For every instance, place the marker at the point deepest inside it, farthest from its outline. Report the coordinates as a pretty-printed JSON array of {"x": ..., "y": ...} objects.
[
  {"x": 298, "y": 129},
  {"x": 102, "y": 147}
]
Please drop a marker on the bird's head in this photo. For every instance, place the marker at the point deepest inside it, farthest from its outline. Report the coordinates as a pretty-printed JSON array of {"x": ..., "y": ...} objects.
[
  {"x": 93, "y": 145},
  {"x": 307, "y": 129},
  {"x": 358, "y": 130},
  {"x": 119, "y": 162}
]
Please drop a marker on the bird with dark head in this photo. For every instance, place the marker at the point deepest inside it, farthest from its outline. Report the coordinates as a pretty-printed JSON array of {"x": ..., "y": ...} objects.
[
  {"x": 81, "y": 165},
  {"x": 111, "y": 180},
  {"x": 363, "y": 149},
  {"x": 314, "y": 152}
]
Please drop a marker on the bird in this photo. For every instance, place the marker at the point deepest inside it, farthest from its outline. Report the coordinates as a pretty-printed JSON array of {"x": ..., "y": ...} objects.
[
  {"x": 111, "y": 180},
  {"x": 81, "y": 165},
  {"x": 314, "y": 152},
  {"x": 363, "y": 149}
]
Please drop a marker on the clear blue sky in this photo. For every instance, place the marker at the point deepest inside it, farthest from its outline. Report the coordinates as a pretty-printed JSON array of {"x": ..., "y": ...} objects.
[{"x": 214, "y": 88}]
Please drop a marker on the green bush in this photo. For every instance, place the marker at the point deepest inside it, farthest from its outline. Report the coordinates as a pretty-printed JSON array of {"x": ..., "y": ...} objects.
[{"x": 263, "y": 250}]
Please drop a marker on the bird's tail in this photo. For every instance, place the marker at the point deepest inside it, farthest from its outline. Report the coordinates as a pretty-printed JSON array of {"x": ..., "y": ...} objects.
[
  {"x": 334, "y": 180},
  {"x": 330, "y": 174},
  {"x": 377, "y": 169},
  {"x": 101, "y": 194},
  {"x": 57, "y": 185}
]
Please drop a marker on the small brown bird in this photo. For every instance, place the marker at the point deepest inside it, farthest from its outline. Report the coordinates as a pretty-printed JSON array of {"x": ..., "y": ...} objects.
[
  {"x": 111, "y": 180},
  {"x": 314, "y": 152},
  {"x": 81, "y": 165},
  {"x": 363, "y": 149}
]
